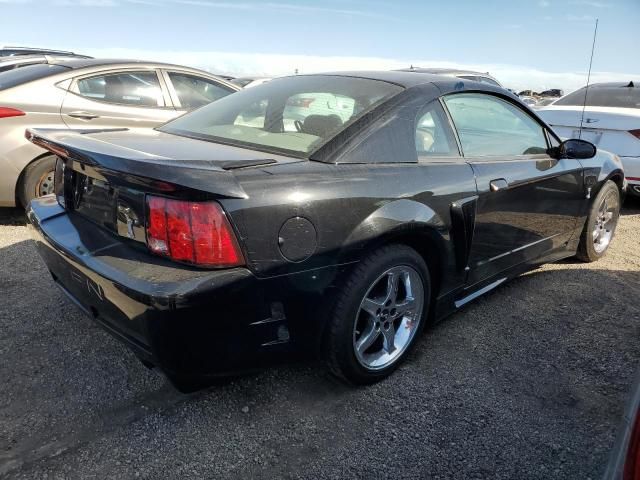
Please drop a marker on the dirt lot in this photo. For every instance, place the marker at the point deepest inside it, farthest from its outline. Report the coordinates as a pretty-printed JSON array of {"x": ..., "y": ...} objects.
[{"x": 528, "y": 382}]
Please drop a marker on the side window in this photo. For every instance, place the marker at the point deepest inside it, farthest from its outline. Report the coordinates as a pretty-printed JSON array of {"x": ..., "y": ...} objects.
[
  {"x": 488, "y": 125},
  {"x": 139, "y": 89},
  {"x": 194, "y": 91},
  {"x": 433, "y": 134}
]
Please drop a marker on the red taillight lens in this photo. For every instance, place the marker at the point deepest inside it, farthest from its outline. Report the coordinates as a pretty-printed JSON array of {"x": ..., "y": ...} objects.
[
  {"x": 632, "y": 461},
  {"x": 6, "y": 112},
  {"x": 179, "y": 231},
  {"x": 635, "y": 133},
  {"x": 194, "y": 232}
]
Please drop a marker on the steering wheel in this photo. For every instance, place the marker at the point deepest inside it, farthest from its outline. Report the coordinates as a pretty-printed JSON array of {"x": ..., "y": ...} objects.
[{"x": 298, "y": 125}]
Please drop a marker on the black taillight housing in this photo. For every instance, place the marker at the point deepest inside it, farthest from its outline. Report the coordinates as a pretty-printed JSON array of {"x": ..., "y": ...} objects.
[{"x": 58, "y": 181}]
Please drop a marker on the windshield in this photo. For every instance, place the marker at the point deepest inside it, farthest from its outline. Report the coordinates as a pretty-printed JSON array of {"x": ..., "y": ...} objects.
[
  {"x": 18, "y": 76},
  {"x": 623, "y": 97},
  {"x": 292, "y": 115}
]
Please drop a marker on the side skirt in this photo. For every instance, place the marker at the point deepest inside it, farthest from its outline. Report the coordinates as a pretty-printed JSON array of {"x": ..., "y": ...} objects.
[{"x": 453, "y": 301}]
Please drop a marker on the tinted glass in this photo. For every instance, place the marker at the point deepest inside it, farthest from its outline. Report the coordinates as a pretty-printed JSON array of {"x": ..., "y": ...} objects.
[
  {"x": 293, "y": 114},
  {"x": 469, "y": 77},
  {"x": 242, "y": 82},
  {"x": 623, "y": 97},
  {"x": 488, "y": 125},
  {"x": 139, "y": 89},
  {"x": 433, "y": 136},
  {"x": 488, "y": 81},
  {"x": 18, "y": 76},
  {"x": 194, "y": 92}
]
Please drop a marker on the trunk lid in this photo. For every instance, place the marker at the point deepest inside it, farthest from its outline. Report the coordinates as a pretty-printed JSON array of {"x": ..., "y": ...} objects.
[
  {"x": 105, "y": 175},
  {"x": 609, "y": 118},
  {"x": 606, "y": 127}
]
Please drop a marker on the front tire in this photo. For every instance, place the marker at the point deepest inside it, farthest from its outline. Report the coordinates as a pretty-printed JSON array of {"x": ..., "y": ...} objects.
[
  {"x": 601, "y": 224},
  {"x": 37, "y": 179},
  {"x": 379, "y": 312}
]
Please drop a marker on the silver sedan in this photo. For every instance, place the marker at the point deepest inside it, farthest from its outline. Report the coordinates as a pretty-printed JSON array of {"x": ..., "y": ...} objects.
[{"x": 87, "y": 94}]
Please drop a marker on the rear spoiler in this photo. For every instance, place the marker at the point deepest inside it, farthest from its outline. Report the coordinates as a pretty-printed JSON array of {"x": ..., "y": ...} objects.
[{"x": 132, "y": 167}]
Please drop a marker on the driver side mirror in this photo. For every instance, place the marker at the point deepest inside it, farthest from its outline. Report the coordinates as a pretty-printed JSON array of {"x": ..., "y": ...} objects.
[{"x": 574, "y": 148}]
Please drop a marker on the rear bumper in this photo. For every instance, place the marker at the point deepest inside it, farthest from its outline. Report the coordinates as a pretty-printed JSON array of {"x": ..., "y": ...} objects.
[{"x": 189, "y": 322}]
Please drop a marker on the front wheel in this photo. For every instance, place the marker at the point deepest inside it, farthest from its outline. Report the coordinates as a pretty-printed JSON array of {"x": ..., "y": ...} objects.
[
  {"x": 378, "y": 314},
  {"x": 601, "y": 224}
]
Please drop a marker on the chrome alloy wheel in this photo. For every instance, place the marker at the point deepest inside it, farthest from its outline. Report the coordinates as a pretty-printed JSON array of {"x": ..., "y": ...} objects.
[
  {"x": 388, "y": 317},
  {"x": 45, "y": 184},
  {"x": 606, "y": 221}
]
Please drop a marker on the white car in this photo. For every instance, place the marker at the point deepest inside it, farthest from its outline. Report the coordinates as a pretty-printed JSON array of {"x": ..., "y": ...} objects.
[
  {"x": 611, "y": 122},
  {"x": 530, "y": 101}
]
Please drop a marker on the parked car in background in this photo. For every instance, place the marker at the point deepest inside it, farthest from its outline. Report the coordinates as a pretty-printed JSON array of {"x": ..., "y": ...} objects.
[
  {"x": 543, "y": 102},
  {"x": 530, "y": 101},
  {"x": 552, "y": 92},
  {"x": 611, "y": 121},
  {"x": 16, "y": 51},
  {"x": 337, "y": 108},
  {"x": 17, "y": 61},
  {"x": 347, "y": 234},
  {"x": 87, "y": 94},
  {"x": 248, "y": 82},
  {"x": 624, "y": 463},
  {"x": 452, "y": 72}
]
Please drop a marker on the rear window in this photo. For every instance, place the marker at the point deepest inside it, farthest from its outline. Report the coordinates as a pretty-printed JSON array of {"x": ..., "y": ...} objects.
[
  {"x": 242, "y": 82},
  {"x": 622, "y": 97},
  {"x": 293, "y": 115},
  {"x": 18, "y": 76}
]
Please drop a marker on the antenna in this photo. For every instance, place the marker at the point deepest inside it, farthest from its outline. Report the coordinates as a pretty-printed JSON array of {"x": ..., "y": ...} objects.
[{"x": 586, "y": 89}]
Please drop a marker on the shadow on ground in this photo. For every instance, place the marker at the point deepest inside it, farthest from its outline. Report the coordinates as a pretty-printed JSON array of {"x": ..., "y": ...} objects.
[
  {"x": 527, "y": 382},
  {"x": 12, "y": 216}
]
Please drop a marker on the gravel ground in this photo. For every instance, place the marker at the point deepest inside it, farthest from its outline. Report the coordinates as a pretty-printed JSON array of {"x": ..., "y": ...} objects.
[{"x": 527, "y": 382}]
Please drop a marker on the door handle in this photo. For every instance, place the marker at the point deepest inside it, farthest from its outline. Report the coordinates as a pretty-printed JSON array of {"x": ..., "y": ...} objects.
[
  {"x": 498, "y": 184},
  {"x": 83, "y": 115}
]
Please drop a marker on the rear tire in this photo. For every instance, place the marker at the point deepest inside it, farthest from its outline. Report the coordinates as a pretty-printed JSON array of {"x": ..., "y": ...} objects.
[
  {"x": 378, "y": 315},
  {"x": 601, "y": 223},
  {"x": 37, "y": 179}
]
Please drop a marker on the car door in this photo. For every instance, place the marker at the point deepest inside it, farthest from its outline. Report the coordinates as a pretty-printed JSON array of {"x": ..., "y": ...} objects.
[
  {"x": 117, "y": 98},
  {"x": 528, "y": 202},
  {"x": 189, "y": 91}
]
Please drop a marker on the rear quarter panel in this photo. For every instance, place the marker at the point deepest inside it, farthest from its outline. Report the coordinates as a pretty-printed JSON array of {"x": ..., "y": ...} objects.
[
  {"x": 353, "y": 208},
  {"x": 41, "y": 102}
]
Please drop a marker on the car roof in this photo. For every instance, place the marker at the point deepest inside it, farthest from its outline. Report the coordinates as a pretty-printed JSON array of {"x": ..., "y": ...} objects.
[
  {"x": 78, "y": 63},
  {"x": 630, "y": 84},
  {"x": 82, "y": 63},
  {"x": 34, "y": 50},
  {"x": 404, "y": 79},
  {"x": 444, "y": 71},
  {"x": 49, "y": 58},
  {"x": 69, "y": 66}
]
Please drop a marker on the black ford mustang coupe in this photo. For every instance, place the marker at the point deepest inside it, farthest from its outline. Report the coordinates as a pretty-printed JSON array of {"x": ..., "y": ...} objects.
[{"x": 334, "y": 213}]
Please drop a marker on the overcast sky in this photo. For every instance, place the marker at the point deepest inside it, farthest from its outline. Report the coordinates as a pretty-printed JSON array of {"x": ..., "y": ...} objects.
[{"x": 524, "y": 43}]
